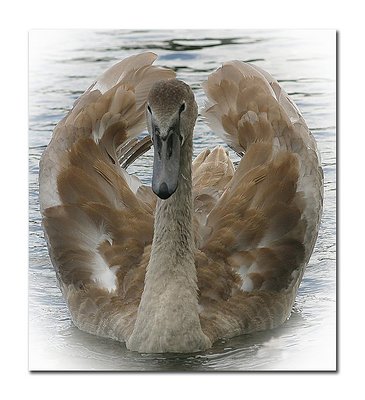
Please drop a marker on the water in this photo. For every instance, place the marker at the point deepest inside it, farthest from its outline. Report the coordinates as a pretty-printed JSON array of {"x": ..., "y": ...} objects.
[{"x": 62, "y": 64}]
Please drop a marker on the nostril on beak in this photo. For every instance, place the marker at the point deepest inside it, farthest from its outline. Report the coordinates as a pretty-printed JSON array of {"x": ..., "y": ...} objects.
[{"x": 163, "y": 191}]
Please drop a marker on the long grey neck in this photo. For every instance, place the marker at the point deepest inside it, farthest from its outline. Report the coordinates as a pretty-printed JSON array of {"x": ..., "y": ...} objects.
[{"x": 168, "y": 319}]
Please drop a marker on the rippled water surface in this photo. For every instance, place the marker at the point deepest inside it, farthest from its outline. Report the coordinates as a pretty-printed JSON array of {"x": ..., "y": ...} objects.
[{"x": 62, "y": 64}]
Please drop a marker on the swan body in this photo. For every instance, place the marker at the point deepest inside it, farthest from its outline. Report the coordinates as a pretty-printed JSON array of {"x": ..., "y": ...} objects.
[{"x": 210, "y": 251}]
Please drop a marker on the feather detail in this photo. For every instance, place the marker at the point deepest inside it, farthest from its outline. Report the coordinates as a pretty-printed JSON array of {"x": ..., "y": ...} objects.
[
  {"x": 254, "y": 226},
  {"x": 90, "y": 204},
  {"x": 265, "y": 221}
]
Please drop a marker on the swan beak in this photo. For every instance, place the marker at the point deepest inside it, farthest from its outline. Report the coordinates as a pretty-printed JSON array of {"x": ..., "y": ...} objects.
[{"x": 166, "y": 164}]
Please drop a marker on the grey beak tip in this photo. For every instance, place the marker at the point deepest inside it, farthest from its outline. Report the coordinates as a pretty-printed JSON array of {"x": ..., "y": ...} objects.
[{"x": 164, "y": 192}]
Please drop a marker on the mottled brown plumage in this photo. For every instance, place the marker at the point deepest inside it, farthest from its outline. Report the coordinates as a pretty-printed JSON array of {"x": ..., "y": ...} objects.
[{"x": 254, "y": 227}]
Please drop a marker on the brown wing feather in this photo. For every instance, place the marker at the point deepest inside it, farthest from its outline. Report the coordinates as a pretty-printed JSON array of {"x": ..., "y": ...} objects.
[
  {"x": 255, "y": 227},
  {"x": 263, "y": 226},
  {"x": 98, "y": 220}
]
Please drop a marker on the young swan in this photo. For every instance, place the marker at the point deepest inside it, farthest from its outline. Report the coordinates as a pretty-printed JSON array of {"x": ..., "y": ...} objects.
[{"x": 168, "y": 319}]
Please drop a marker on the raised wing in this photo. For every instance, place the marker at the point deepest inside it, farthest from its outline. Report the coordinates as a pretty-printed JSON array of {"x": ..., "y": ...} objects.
[
  {"x": 262, "y": 229},
  {"x": 91, "y": 206}
]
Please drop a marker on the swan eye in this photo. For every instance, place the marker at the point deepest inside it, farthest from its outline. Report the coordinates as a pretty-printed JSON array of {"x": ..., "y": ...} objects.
[
  {"x": 182, "y": 108},
  {"x": 149, "y": 109}
]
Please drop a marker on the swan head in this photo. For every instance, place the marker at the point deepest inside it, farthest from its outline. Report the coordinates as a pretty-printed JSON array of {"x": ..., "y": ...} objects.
[{"x": 171, "y": 114}]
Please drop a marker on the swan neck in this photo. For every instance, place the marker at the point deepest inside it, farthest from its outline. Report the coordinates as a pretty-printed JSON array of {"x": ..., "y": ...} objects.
[{"x": 168, "y": 318}]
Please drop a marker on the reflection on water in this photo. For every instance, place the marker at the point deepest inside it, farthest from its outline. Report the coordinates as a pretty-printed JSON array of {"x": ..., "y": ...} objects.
[{"x": 62, "y": 66}]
